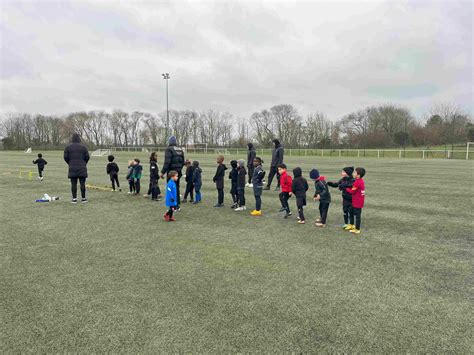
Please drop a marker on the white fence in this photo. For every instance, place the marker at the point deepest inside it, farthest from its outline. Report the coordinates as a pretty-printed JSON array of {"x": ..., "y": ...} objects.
[{"x": 340, "y": 153}]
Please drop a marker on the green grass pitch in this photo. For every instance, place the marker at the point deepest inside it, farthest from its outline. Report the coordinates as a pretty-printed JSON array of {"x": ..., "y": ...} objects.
[{"x": 113, "y": 276}]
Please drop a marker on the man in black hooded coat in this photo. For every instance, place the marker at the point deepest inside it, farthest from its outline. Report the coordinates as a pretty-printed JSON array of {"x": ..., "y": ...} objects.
[
  {"x": 174, "y": 160},
  {"x": 76, "y": 156},
  {"x": 251, "y": 154},
  {"x": 277, "y": 159}
]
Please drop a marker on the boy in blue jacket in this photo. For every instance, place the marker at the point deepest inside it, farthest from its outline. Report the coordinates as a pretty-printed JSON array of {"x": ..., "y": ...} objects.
[{"x": 171, "y": 196}]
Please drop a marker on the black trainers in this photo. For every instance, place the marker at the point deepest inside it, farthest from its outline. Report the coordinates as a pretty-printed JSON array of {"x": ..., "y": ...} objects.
[
  {"x": 74, "y": 200},
  {"x": 84, "y": 200},
  {"x": 288, "y": 214},
  {"x": 219, "y": 205}
]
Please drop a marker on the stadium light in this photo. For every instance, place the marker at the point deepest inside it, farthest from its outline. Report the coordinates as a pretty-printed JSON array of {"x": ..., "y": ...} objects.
[{"x": 166, "y": 77}]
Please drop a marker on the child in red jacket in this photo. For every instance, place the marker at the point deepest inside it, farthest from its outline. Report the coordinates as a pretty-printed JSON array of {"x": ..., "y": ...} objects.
[
  {"x": 286, "y": 183},
  {"x": 358, "y": 196}
]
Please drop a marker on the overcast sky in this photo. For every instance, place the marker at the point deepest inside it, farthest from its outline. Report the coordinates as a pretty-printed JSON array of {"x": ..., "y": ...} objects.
[{"x": 240, "y": 57}]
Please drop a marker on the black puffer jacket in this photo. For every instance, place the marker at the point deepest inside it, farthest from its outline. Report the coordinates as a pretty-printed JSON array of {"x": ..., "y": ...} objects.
[
  {"x": 112, "y": 168},
  {"x": 241, "y": 180},
  {"x": 219, "y": 177},
  {"x": 300, "y": 185},
  {"x": 174, "y": 158},
  {"x": 154, "y": 172},
  {"x": 321, "y": 188},
  {"x": 189, "y": 174},
  {"x": 277, "y": 153},
  {"x": 76, "y": 156},
  {"x": 251, "y": 154},
  {"x": 41, "y": 163},
  {"x": 343, "y": 184}
]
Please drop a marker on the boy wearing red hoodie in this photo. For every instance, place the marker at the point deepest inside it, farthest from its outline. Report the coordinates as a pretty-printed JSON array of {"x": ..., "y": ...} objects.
[
  {"x": 358, "y": 197},
  {"x": 286, "y": 183},
  {"x": 321, "y": 194}
]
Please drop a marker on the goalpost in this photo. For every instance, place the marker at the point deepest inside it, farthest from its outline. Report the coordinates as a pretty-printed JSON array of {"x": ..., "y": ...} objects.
[
  {"x": 197, "y": 146},
  {"x": 100, "y": 152},
  {"x": 467, "y": 149}
]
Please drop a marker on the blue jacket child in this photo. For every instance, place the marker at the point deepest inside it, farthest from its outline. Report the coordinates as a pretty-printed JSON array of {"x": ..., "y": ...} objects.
[{"x": 171, "y": 194}]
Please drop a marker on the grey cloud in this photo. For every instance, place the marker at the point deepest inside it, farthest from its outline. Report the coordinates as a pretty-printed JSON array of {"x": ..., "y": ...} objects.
[{"x": 235, "y": 56}]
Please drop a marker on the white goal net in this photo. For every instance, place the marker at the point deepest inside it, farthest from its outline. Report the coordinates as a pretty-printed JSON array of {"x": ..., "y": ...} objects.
[{"x": 100, "y": 152}]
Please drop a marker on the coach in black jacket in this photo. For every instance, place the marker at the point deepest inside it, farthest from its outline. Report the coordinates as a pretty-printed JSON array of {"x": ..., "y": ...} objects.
[
  {"x": 174, "y": 160},
  {"x": 251, "y": 154},
  {"x": 76, "y": 156},
  {"x": 277, "y": 159}
]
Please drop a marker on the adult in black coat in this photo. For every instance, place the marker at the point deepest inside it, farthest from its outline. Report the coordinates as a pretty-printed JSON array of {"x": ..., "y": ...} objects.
[
  {"x": 277, "y": 158},
  {"x": 76, "y": 156},
  {"x": 251, "y": 154},
  {"x": 174, "y": 160}
]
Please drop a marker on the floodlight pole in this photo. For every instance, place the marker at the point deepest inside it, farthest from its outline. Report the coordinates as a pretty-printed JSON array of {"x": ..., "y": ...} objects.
[{"x": 166, "y": 76}]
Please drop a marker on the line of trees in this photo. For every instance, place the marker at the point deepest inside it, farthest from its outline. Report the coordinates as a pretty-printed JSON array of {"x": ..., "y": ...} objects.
[{"x": 380, "y": 126}]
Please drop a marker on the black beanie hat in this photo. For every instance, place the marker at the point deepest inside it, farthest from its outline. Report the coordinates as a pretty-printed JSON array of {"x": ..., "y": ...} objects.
[
  {"x": 314, "y": 174},
  {"x": 349, "y": 170}
]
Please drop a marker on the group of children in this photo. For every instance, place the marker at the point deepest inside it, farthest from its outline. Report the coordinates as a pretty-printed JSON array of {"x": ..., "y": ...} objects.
[{"x": 351, "y": 186}]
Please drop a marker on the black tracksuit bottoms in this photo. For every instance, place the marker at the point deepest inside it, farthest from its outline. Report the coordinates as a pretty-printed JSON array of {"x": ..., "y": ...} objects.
[
  {"x": 300, "y": 203},
  {"x": 356, "y": 213},
  {"x": 82, "y": 182},
  {"x": 114, "y": 180},
  {"x": 189, "y": 191},
  {"x": 323, "y": 211},
  {"x": 284, "y": 197},
  {"x": 346, "y": 210},
  {"x": 241, "y": 196}
]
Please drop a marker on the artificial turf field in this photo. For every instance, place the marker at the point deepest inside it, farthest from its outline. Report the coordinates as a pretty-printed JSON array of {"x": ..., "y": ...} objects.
[{"x": 112, "y": 276}]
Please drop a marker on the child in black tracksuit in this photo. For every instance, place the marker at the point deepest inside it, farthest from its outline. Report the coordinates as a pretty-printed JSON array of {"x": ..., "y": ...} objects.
[
  {"x": 322, "y": 195},
  {"x": 154, "y": 178},
  {"x": 233, "y": 176},
  {"x": 241, "y": 180},
  {"x": 345, "y": 182},
  {"x": 299, "y": 188},
  {"x": 219, "y": 180},
  {"x": 41, "y": 163},
  {"x": 197, "y": 181},
  {"x": 112, "y": 170},
  {"x": 257, "y": 183},
  {"x": 189, "y": 182}
]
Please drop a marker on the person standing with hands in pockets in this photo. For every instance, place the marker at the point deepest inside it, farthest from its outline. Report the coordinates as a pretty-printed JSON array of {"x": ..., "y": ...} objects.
[{"x": 174, "y": 161}]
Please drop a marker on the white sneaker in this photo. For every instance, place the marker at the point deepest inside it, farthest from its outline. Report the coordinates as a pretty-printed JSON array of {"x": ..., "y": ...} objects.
[
  {"x": 243, "y": 208},
  {"x": 250, "y": 185}
]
